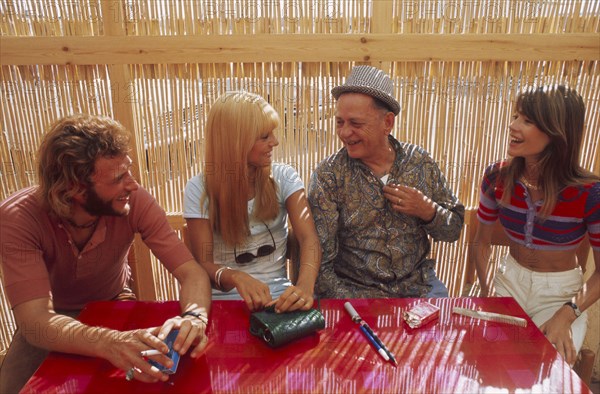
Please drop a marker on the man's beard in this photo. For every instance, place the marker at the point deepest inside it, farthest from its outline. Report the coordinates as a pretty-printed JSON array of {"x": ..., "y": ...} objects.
[{"x": 96, "y": 206}]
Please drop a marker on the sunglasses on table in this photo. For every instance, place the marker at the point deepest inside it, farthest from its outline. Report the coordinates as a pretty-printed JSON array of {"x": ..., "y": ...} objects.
[{"x": 262, "y": 251}]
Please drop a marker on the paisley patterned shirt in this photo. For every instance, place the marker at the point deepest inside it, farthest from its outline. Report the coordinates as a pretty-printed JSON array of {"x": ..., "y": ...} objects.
[{"x": 369, "y": 250}]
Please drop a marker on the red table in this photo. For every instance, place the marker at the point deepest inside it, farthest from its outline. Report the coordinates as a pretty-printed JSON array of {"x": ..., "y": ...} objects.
[{"x": 452, "y": 354}]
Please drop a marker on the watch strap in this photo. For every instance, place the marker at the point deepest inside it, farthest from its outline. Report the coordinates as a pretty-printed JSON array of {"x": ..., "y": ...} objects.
[
  {"x": 195, "y": 314},
  {"x": 574, "y": 307}
]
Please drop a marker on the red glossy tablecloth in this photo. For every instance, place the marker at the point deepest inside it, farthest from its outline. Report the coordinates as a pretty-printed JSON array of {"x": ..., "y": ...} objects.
[{"x": 450, "y": 355}]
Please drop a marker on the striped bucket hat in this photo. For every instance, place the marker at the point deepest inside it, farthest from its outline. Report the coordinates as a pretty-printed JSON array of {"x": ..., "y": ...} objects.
[{"x": 372, "y": 82}]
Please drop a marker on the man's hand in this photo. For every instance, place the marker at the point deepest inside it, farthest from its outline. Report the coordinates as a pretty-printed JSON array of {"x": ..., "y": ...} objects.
[
  {"x": 192, "y": 332},
  {"x": 123, "y": 350},
  {"x": 410, "y": 201}
]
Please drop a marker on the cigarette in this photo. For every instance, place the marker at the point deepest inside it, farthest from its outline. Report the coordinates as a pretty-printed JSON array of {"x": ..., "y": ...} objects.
[{"x": 151, "y": 352}]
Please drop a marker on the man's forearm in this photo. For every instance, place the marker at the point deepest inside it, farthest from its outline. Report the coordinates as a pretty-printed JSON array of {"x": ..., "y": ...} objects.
[
  {"x": 195, "y": 288},
  {"x": 447, "y": 223},
  {"x": 62, "y": 333}
]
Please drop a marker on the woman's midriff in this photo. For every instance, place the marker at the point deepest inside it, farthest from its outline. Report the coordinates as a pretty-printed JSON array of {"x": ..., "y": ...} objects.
[{"x": 544, "y": 260}]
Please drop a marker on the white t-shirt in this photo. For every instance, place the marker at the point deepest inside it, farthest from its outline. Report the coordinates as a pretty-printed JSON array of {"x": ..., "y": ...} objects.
[{"x": 268, "y": 269}]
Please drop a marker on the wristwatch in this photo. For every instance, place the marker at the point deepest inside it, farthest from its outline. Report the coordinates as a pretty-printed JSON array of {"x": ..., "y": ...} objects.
[{"x": 575, "y": 308}]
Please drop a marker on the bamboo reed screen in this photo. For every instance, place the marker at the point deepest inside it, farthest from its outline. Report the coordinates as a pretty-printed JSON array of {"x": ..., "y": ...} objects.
[{"x": 458, "y": 110}]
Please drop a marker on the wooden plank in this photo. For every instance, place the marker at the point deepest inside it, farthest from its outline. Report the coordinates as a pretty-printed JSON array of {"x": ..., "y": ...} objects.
[
  {"x": 141, "y": 271},
  {"x": 297, "y": 47},
  {"x": 380, "y": 24},
  {"x": 176, "y": 221},
  {"x": 140, "y": 260}
]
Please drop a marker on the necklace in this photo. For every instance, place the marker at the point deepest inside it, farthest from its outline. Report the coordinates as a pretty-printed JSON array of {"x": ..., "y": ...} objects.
[
  {"x": 528, "y": 184},
  {"x": 83, "y": 226}
]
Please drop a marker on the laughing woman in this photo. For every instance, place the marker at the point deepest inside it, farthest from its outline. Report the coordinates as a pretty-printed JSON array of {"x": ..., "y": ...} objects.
[
  {"x": 237, "y": 210},
  {"x": 546, "y": 203}
]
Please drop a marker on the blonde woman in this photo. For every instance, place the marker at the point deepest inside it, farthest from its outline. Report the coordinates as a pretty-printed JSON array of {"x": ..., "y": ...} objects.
[
  {"x": 237, "y": 210},
  {"x": 546, "y": 204}
]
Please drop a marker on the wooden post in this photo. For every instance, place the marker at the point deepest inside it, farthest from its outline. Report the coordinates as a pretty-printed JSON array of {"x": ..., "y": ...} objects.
[
  {"x": 139, "y": 258},
  {"x": 382, "y": 23}
]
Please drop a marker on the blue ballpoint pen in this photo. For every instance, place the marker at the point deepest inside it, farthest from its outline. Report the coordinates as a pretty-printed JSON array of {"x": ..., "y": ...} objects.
[
  {"x": 370, "y": 334},
  {"x": 376, "y": 339},
  {"x": 375, "y": 344}
]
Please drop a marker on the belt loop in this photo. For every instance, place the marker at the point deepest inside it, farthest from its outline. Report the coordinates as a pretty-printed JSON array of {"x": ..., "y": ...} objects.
[
  {"x": 522, "y": 273},
  {"x": 547, "y": 280},
  {"x": 516, "y": 267}
]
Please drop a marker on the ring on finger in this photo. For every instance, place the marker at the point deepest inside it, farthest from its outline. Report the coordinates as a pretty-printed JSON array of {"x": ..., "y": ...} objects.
[
  {"x": 399, "y": 201},
  {"x": 129, "y": 374}
]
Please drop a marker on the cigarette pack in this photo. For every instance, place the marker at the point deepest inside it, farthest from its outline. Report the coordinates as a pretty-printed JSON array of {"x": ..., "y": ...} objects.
[
  {"x": 173, "y": 355},
  {"x": 420, "y": 314}
]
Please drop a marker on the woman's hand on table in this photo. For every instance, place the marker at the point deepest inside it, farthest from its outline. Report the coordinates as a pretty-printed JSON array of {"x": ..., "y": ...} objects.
[
  {"x": 255, "y": 293},
  {"x": 558, "y": 331},
  {"x": 293, "y": 298}
]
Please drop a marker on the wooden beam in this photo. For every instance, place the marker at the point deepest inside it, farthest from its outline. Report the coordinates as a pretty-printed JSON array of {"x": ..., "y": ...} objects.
[
  {"x": 140, "y": 261},
  {"x": 297, "y": 47},
  {"x": 141, "y": 271},
  {"x": 381, "y": 14},
  {"x": 175, "y": 220}
]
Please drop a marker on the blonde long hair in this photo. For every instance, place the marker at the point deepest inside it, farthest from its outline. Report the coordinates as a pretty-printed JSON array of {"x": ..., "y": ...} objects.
[
  {"x": 235, "y": 122},
  {"x": 558, "y": 112}
]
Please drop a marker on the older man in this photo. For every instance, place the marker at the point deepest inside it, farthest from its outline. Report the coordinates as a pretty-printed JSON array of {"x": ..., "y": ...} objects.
[
  {"x": 65, "y": 243},
  {"x": 376, "y": 201}
]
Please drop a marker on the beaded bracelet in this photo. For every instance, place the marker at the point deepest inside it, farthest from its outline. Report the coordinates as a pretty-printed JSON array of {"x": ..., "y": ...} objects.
[{"x": 218, "y": 277}]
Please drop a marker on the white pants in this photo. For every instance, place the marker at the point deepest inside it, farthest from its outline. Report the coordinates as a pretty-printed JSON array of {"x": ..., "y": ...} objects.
[{"x": 541, "y": 294}]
